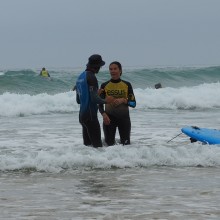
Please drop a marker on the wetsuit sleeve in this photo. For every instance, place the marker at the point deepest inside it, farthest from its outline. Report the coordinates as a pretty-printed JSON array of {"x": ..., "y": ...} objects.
[
  {"x": 95, "y": 97},
  {"x": 48, "y": 74},
  {"x": 102, "y": 95},
  {"x": 131, "y": 97},
  {"x": 93, "y": 89},
  {"x": 77, "y": 98}
]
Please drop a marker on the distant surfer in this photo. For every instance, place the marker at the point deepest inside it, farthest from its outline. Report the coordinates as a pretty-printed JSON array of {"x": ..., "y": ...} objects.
[
  {"x": 44, "y": 72},
  {"x": 158, "y": 86}
]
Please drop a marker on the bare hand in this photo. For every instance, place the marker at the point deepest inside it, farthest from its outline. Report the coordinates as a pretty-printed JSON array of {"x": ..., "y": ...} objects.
[
  {"x": 120, "y": 101},
  {"x": 100, "y": 91},
  {"x": 106, "y": 119},
  {"x": 109, "y": 99}
]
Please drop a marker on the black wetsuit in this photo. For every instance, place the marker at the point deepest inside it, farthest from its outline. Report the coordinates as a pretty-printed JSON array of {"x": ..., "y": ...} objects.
[
  {"x": 118, "y": 115},
  {"x": 87, "y": 97}
]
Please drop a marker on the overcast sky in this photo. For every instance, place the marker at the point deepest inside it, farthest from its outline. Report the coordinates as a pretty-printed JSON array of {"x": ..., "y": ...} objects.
[{"x": 64, "y": 33}]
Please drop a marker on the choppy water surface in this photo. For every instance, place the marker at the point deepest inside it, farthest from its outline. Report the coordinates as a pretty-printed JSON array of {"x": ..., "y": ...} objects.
[{"x": 47, "y": 173}]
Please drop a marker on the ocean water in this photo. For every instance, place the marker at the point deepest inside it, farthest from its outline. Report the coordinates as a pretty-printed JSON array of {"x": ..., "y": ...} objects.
[{"x": 47, "y": 173}]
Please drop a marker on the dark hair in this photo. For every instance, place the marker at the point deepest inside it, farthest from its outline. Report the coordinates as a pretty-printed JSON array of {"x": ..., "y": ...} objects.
[{"x": 118, "y": 64}]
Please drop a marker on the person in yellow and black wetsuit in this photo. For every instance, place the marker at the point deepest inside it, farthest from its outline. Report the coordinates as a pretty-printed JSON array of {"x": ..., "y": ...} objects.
[
  {"x": 44, "y": 72},
  {"x": 117, "y": 115}
]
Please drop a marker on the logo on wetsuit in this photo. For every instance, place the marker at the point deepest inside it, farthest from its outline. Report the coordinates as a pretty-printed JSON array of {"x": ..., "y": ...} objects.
[{"x": 117, "y": 93}]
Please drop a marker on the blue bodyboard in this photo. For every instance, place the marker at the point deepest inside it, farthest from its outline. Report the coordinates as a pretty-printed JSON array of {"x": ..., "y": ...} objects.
[{"x": 205, "y": 135}]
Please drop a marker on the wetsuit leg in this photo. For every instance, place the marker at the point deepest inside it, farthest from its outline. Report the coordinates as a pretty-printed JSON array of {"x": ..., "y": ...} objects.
[
  {"x": 124, "y": 128},
  {"x": 110, "y": 131},
  {"x": 86, "y": 138},
  {"x": 93, "y": 132}
]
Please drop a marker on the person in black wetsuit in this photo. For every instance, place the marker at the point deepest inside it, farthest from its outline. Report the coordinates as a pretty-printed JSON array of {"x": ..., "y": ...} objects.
[
  {"x": 116, "y": 115},
  {"x": 87, "y": 95}
]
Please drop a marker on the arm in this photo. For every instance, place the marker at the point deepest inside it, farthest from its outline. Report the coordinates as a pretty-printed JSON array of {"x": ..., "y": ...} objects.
[
  {"x": 131, "y": 97},
  {"x": 95, "y": 97},
  {"x": 106, "y": 119},
  {"x": 77, "y": 98},
  {"x": 101, "y": 106},
  {"x": 130, "y": 100},
  {"x": 93, "y": 90}
]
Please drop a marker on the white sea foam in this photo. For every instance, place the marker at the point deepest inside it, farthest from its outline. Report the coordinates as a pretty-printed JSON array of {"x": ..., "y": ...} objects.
[
  {"x": 53, "y": 143},
  {"x": 204, "y": 96},
  {"x": 110, "y": 182},
  {"x": 24, "y": 104},
  {"x": 70, "y": 158}
]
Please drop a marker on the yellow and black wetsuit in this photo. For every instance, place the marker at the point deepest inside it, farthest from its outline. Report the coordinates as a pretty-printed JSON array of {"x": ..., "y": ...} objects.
[
  {"x": 119, "y": 115},
  {"x": 45, "y": 73}
]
